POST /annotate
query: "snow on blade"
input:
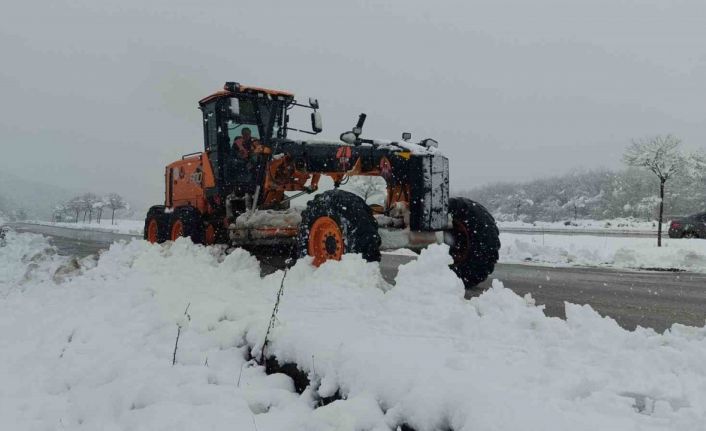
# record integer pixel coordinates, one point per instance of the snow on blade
(94, 350)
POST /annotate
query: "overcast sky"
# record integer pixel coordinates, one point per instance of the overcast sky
(101, 95)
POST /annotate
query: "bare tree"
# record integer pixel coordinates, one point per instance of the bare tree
(115, 202)
(663, 157)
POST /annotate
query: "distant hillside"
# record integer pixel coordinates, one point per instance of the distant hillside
(35, 199)
(595, 195)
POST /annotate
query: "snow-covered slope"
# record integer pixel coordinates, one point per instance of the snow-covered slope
(91, 348)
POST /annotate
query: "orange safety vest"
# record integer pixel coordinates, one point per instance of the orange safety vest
(245, 148)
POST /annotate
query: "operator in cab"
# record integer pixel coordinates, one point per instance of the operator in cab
(246, 151)
(245, 146)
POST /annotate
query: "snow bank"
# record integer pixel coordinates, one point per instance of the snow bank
(626, 225)
(618, 252)
(131, 227)
(94, 350)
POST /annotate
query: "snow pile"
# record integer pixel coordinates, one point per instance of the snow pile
(618, 252)
(95, 350)
(26, 259)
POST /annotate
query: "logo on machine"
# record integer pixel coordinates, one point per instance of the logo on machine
(197, 176)
(344, 157)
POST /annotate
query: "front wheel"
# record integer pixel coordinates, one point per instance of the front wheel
(156, 225)
(186, 222)
(474, 241)
(338, 222)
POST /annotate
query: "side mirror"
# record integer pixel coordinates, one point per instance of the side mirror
(316, 123)
(406, 136)
(429, 143)
(234, 106)
(349, 137)
(314, 103)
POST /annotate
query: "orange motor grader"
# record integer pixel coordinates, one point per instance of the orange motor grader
(238, 190)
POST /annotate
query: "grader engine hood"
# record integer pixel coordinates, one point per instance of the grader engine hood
(422, 173)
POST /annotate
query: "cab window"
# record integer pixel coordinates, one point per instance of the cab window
(245, 116)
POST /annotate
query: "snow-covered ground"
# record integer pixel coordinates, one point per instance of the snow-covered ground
(556, 249)
(612, 225)
(132, 227)
(135, 227)
(88, 345)
(612, 251)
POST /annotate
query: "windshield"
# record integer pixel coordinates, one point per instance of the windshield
(263, 116)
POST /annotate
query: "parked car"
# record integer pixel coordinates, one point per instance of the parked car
(693, 226)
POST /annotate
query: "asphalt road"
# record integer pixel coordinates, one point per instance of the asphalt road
(632, 298)
(651, 299)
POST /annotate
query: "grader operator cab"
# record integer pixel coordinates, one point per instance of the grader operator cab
(238, 190)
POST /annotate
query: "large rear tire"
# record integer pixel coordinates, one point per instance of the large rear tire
(186, 222)
(337, 222)
(156, 225)
(474, 241)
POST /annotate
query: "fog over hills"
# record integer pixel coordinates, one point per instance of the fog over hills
(35, 198)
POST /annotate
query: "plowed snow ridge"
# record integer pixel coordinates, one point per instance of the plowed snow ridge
(91, 348)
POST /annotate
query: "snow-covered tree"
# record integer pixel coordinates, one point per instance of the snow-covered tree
(89, 199)
(60, 212)
(519, 200)
(75, 205)
(98, 210)
(596, 194)
(115, 202)
(368, 188)
(18, 214)
(662, 156)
